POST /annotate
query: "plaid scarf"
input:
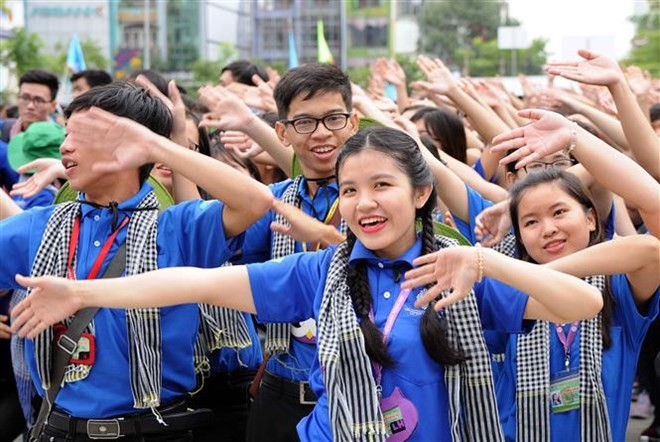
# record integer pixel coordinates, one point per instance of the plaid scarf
(278, 336)
(353, 402)
(533, 387)
(143, 325)
(218, 327)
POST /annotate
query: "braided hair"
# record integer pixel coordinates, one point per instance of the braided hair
(433, 329)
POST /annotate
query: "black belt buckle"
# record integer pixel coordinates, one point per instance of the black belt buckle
(104, 429)
(305, 394)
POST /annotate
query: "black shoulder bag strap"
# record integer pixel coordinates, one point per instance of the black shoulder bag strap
(66, 346)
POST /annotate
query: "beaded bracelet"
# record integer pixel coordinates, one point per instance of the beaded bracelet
(573, 138)
(480, 263)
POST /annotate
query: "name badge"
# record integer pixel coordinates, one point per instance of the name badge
(85, 353)
(565, 391)
(400, 416)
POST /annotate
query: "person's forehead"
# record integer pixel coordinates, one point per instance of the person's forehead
(321, 103)
(35, 89)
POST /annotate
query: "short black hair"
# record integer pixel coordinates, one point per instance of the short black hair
(93, 77)
(40, 76)
(126, 99)
(309, 80)
(243, 70)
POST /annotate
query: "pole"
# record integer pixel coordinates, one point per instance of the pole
(147, 35)
(343, 35)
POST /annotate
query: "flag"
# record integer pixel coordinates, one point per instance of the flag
(75, 60)
(324, 54)
(293, 53)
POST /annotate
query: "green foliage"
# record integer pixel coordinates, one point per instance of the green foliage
(21, 52)
(24, 51)
(445, 26)
(484, 59)
(646, 43)
(360, 75)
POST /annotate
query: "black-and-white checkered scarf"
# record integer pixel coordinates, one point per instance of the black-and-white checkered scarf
(533, 382)
(353, 401)
(143, 325)
(219, 327)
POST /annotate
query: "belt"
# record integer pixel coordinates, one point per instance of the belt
(177, 418)
(300, 391)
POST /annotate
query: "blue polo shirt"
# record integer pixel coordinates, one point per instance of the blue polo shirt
(295, 364)
(189, 234)
(628, 329)
(291, 289)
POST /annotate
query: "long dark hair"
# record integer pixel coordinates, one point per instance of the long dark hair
(405, 152)
(445, 128)
(572, 186)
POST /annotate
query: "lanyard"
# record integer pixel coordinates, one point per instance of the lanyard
(567, 341)
(73, 244)
(389, 324)
(328, 220)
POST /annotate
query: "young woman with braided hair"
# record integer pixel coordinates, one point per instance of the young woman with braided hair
(389, 366)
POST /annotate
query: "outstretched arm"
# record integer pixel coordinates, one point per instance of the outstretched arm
(122, 144)
(550, 133)
(598, 69)
(54, 299)
(554, 296)
(638, 256)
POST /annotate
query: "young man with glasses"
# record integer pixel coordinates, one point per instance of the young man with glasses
(36, 98)
(314, 105)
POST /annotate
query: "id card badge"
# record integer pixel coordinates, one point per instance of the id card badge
(400, 416)
(85, 353)
(565, 391)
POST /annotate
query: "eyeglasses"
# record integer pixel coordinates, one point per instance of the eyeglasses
(307, 125)
(38, 101)
(537, 166)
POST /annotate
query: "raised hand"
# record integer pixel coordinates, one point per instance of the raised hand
(595, 69)
(265, 91)
(174, 103)
(548, 133)
(52, 300)
(439, 80)
(455, 269)
(228, 111)
(493, 224)
(117, 143)
(302, 227)
(44, 172)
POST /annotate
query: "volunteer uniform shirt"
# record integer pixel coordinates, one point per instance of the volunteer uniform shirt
(189, 234)
(628, 328)
(291, 289)
(295, 364)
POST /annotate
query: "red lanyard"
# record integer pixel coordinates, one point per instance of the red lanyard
(73, 244)
(389, 324)
(567, 341)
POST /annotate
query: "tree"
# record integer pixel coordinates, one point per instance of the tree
(646, 43)
(485, 59)
(448, 25)
(21, 52)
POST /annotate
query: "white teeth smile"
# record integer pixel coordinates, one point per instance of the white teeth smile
(323, 149)
(371, 221)
(69, 164)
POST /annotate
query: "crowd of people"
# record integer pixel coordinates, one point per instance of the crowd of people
(292, 257)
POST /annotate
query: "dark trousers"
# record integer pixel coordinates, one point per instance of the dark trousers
(648, 378)
(54, 435)
(227, 396)
(12, 423)
(274, 416)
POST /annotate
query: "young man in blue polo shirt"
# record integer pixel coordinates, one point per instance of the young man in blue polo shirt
(132, 369)
(315, 109)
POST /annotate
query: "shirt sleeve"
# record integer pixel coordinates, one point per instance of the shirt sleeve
(18, 244)
(197, 229)
(257, 244)
(626, 311)
(476, 205)
(284, 289)
(502, 307)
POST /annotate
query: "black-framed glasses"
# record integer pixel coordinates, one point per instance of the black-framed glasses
(38, 101)
(537, 166)
(307, 125)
